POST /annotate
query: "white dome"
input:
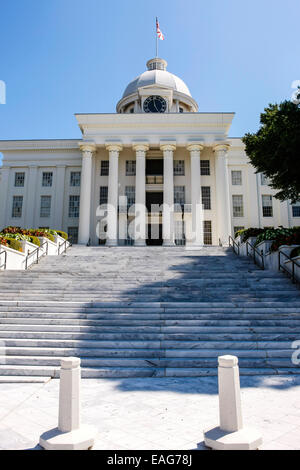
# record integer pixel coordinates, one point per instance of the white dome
(157, 77)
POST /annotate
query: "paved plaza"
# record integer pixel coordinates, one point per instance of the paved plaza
(152, 413)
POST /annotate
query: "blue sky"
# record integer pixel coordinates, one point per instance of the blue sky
(60, 57)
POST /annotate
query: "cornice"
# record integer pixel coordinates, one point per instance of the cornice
(55, 144)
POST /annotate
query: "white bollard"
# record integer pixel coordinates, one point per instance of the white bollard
(231, 435)
(70, 434)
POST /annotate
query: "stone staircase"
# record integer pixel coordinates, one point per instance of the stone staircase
(146, 312)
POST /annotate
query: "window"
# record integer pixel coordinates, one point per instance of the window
(236, 178)
(17, 206)
(75, 177)
(19, 180)
(73, 233)
(267, 206)
(238, 208)
(45, 206)
(104, 168)
(296, 211)
(103, 195)
(205, 190)
(179, 232)
(205, 167)
(130, 194)
(179, 167)
(74, 207)
(47, 179)
(264, 180)
(130, 167)
(207, 232)
(181, 110)
(179, 195)
(237, 229)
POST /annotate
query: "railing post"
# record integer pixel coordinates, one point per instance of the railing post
(70, 433)
(293, 270)
(231, 433)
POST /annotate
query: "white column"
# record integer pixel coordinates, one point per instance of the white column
(85, 193)
(168, 206)
(222, 193)
(32, 201)
(196, 198)
(59, 197)
(4, 196)
(140, 194)
(113, 193)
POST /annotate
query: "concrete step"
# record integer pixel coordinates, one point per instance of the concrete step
(141, 329)
(148, 344)
(123, 372)
(141, 353)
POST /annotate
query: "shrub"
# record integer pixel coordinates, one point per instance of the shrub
(40, 233)
(3, 241)
(35, 241)
(295, 252)
(14, 244)
(248, 232)
(14, 230)
(281, 236)
(62, 234)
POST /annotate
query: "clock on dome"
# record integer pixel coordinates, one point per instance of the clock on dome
(155, 104)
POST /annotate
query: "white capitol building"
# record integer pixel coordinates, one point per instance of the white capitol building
(157, 149)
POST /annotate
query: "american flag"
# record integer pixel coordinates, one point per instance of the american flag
(158, 31)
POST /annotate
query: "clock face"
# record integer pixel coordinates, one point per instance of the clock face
(155, 104)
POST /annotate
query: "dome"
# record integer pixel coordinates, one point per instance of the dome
(157, 75)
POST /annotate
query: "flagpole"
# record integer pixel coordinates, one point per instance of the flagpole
(156, 38)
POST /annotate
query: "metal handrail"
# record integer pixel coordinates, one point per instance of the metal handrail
(280, 266)
(36, 251)
(64, 243)
(233, 243)
(5, 259)
(255, 251)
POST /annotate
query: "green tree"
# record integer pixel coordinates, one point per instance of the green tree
(275, 148)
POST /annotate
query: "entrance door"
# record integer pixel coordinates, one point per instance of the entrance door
(154, 198)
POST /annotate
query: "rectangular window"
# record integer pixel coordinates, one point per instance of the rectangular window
(103, 195)
(264, 180)
(74, 207)
(179, 195)
(130, 194)
(73, 233)
(296, 211)
(130, 167)
(206, 202)
(267, 206)
(207, 232)
(179, 167)
(17, 206)
(237, 205)
(236, 177)
(75, 177)
(104, 168)
(47, 179)
(45, 206)
(179, 232)
(19, 180)
(205, 167)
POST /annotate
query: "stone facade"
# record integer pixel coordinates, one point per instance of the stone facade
(156, 148)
